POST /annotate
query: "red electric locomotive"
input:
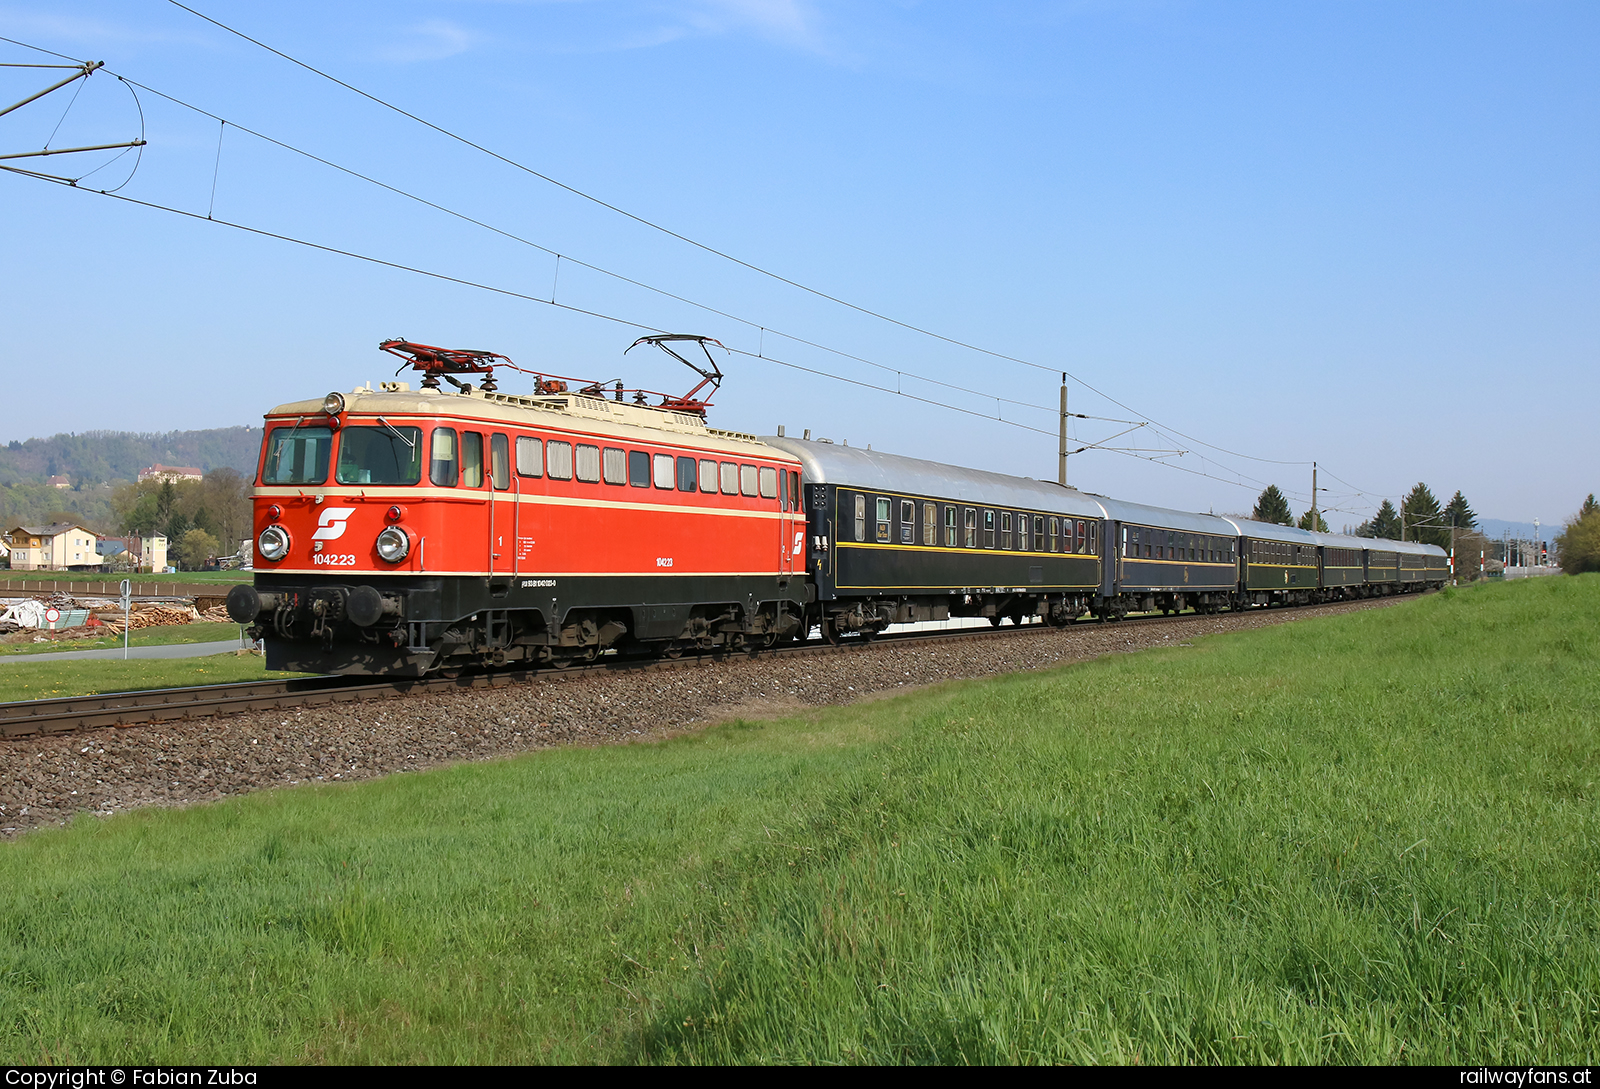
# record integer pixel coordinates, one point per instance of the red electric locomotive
(404, 531)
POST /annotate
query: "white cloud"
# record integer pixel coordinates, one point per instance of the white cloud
(430, 40)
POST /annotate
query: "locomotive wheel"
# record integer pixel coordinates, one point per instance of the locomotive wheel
(673, 649)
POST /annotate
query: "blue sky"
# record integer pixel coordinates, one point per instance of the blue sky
(1359, 233)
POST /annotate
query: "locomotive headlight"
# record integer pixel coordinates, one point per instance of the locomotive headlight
(273, 544)
(333, 404)
(394, 544)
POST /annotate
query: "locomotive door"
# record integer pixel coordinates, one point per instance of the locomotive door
(791, 528)
(502, 508)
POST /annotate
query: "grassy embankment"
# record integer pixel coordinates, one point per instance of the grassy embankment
(24, 680)
(1368, 838)
(227, 578)
(201, 631)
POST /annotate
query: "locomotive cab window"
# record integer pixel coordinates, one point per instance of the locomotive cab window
(443, 460)
(530, 456)
(380, 455)
(558, 460)
(499, 461)
(297, 455)
(588, 463)
(471, 459)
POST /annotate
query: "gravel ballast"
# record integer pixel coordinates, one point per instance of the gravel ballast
(48, 780)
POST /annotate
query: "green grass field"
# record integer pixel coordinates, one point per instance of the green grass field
(24, 680)
(1368, 838)
(167, 635)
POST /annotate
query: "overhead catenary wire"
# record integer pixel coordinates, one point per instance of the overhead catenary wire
(651, 224)
(1156, 427)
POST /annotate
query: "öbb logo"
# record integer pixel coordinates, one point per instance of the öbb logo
(331, 526)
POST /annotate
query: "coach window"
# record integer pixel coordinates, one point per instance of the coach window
(588, 463)
(1055, 533)
(1080, 543)
(930, 524)
(443, 463)
(950, 527)
(1005, 529)
(708, 475)
(558, 460)
(530, 456)
(908, 522)
(1038, 532)
(747, 480)
(972, 528)
(614, 465)
(861, 517)
(471, 459)
(882, 509)
(663, 472)
(686, 475)
(1094, 538)
(988, 529)
(769, 482)
(500, 462)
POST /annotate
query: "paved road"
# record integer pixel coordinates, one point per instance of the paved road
(175, 650)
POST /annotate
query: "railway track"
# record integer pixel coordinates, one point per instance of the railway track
(33, 718)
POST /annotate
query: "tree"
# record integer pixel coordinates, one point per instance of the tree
(1578, 547)
(1458, 515)
(1424, 521)
(1385, 524)
(1312, 520)
(1271, 506)
(196, 547)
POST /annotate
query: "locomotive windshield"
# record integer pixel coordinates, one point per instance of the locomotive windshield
(297, 455)
(380, 455)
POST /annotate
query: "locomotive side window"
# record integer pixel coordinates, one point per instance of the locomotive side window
(988, 529)
(794, 489)
(747, 480)
(443, 464)
(499, 461)
(908, 522)
(639, 468)
(708, 475)
(588, 463)
(930, 524)
(530, 456)
(861, 517)
(664, 472)
(950, 527)
(769, 483)
(380, 455)
(1005, 529)
(614, 465)
(883, 520)
(558, 460)
(730, 478)
(686, 475)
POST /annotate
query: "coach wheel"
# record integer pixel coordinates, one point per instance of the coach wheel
(673, 649)
(995, 620)
(830, 631)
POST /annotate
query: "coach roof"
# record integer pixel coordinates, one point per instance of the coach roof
(872, 470)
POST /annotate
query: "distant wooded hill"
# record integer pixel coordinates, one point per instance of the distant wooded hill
(97, 457)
